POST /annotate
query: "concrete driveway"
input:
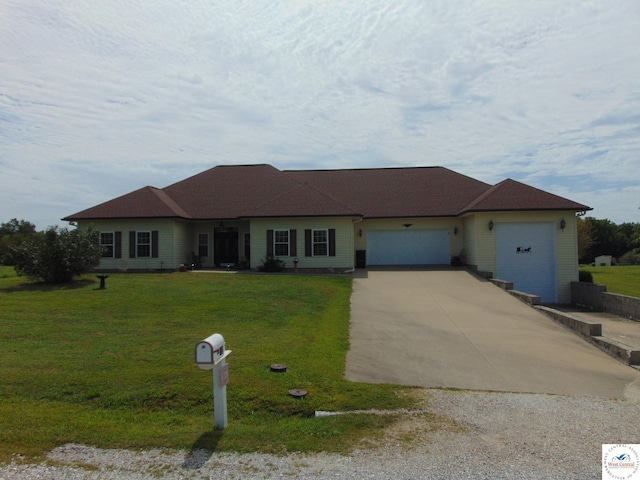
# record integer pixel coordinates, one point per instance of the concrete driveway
(449, 328)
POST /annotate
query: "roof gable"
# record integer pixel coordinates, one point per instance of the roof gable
(513, 195)
(229, 191)
(147, 202)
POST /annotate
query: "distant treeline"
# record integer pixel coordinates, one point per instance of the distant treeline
(603, 237)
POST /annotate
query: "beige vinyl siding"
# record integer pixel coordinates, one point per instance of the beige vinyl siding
(182, 233)
(483, 243)
(449, 224)
(470, 255)
(169, 233)
(567, 257)
(344, 258)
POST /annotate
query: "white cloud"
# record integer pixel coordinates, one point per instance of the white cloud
(100, 99)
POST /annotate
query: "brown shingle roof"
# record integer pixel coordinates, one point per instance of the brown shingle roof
(511, 195)
(302, 201)
(147, 202)
(227, 192)
(244, 191)
(397, 192)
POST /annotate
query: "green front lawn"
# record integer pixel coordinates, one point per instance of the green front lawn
(622, 279)
(115, 367)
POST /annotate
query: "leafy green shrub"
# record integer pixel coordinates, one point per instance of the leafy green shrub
(585, 276)
(58, 254)
(272, 264)
(631, 258)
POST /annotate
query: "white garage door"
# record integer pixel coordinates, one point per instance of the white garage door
(526, 256)
(408, 247)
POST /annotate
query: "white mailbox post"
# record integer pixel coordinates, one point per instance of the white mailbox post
(211, 355)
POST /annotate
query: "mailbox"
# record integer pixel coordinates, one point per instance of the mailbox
(210, 351)
(210, 355)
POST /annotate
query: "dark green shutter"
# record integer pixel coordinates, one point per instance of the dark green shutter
(269, 243)
(118, 245)
(307, 243)
(332, 242)
(154, 244)
(132, 244)
(293, 245)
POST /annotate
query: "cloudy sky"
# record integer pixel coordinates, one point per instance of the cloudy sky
(100, 98)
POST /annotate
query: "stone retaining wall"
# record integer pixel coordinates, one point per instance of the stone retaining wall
(596, 297)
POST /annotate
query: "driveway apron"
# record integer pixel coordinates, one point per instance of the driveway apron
(451, 329)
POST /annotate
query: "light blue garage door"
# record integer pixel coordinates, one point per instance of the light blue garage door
(408, 247)
(526, 256)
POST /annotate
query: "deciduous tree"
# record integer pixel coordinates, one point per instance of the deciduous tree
(13, 233)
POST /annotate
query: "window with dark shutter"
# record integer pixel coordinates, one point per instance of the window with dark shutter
(143, 244)
(107, 244)
(281, 243)
(320, 243)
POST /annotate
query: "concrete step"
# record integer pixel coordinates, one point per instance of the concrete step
(592, 332)
(527, 298)
(618, 350)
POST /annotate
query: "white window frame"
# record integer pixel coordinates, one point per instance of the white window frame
(281, 243)
(314, 243)
(142, 244)
(111, 245)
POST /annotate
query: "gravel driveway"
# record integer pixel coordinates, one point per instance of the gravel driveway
(492, 436)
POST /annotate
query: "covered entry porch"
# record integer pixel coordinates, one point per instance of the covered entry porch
(220, 244)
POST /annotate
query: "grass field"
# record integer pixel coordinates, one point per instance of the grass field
(115, 367)
(622, 279)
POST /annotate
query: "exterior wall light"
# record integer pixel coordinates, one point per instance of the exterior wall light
(360, 232)
(490, 225)
(455, 230)
(563, 224)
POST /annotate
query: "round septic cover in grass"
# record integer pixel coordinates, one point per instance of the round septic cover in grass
(298, 392)
(278, 367)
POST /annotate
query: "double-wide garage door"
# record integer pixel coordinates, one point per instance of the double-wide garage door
(408, 247)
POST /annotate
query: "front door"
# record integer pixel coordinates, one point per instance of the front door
(225, 247)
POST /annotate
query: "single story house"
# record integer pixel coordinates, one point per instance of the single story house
(344, 219)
